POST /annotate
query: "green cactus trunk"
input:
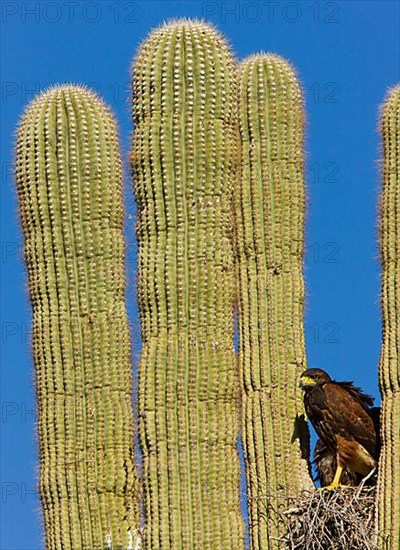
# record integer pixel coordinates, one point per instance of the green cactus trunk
(270, 209)
(69, 182)
(184, 167)
(388, 498)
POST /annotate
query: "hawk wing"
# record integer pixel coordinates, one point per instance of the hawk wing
(347, 417)
(365, 400)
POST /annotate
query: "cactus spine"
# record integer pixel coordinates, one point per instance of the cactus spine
(184, 165)
(388, 498)
(69, 182)
(270, 209)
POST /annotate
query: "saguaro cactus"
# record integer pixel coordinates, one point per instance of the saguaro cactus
(270, 206)
(184, 161)
(388, 498)
(70, 194)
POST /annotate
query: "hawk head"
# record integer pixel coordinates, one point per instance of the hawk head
(311, 378)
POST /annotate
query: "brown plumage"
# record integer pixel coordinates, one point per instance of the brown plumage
(341, 415)
(326, 464)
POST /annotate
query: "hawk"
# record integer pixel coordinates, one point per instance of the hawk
(341, 415)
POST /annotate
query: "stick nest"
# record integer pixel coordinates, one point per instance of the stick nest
(342, 519)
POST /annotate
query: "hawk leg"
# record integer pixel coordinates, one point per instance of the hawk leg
(336, 480)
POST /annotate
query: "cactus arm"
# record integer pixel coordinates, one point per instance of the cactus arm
(270, 210)
(69, 182)
(388, 497)
(183, 162)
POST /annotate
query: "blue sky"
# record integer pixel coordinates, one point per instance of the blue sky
(347, 56)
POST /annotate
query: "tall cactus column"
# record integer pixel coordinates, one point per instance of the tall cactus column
(388, 499)
(270, 207)
(69, 184)
(184, 166)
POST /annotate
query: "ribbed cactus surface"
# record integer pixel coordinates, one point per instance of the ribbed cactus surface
(184, 161)
(270, 210)
(388, 502)
(69, 181)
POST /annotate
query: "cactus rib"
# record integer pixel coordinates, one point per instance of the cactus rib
(69, 182)
(270, 210)
(183, 161)
(388, 497)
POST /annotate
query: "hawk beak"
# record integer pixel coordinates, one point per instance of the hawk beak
(306, 382)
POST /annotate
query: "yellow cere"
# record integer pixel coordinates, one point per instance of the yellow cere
(307, 381)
